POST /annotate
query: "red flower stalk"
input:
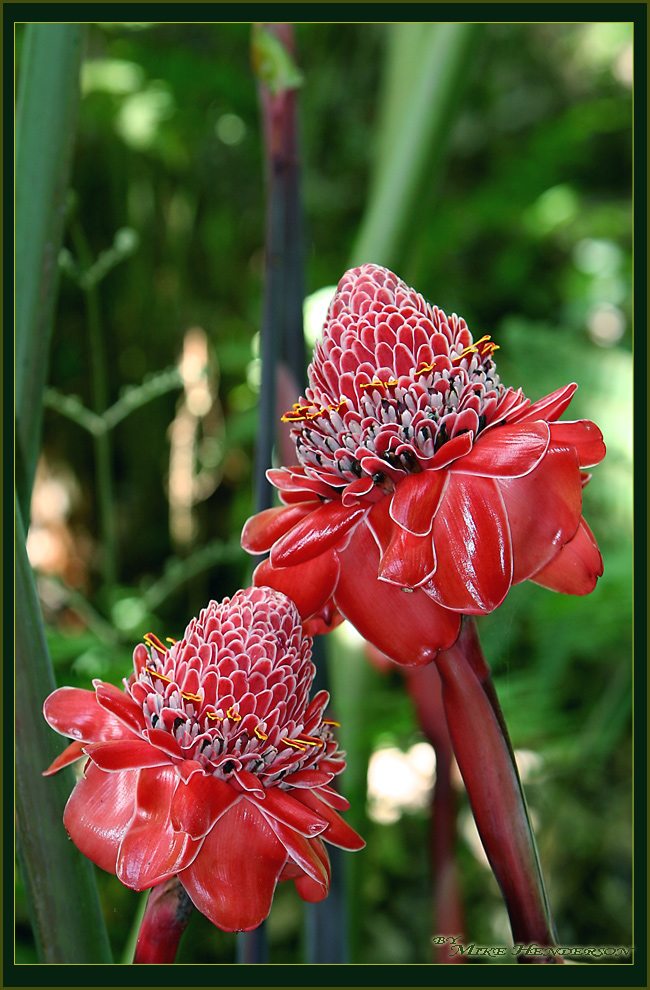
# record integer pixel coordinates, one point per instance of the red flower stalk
(212, 764)
(421, 473)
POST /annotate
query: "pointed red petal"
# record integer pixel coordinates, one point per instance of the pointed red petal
(301, 852)
(98, 812)
(309, 585)
(549, 408)
(75, 712)
(262, 530)
(310, 890)
(125, 754)
(506, 451)
(233, 878)
(408, 627)
(406, 560)
(576, 568)
(543, 511)
(119, 704)
(320, 531)
(333, 797)
(457, 447)
(416, 500)
(338, 833)
(201, 802)
(308, 778)
(70, 754)
(584, 436)
(151, 851)
(280, 805)
(471, 538)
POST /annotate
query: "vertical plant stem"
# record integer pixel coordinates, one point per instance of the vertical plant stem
(426, 68)
(100, 401)
(59, 882)
(46, 112)
(166, 917)
(425, 687)
(486, 761)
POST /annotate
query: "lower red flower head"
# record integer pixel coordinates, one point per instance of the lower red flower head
(212, 764)
(426, 488)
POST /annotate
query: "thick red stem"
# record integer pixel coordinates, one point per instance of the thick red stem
(486, 762)
(165, 919)
(425, 688)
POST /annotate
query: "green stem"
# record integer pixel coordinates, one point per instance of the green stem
(59, 882)
(99, 388)
(46, 111)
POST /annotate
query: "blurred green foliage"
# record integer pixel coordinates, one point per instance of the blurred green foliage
(523, 226)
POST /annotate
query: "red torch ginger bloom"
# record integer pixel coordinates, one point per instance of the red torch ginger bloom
(212, 764)
(426, 488)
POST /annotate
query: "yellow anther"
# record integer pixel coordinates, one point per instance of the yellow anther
(329, 721)
(378, 384)
(216, 718)
(259, 733)
(235, 716)
(191, 697)
(309, 741)
(170, 640)
(296, 745)
(152, 641)
(161, 677)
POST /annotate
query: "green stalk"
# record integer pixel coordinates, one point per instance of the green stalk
(48, 98)
(427, 64)
(59, 882)
(99, 389)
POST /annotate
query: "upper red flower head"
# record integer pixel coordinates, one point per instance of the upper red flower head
(420, 472)
(212, 764)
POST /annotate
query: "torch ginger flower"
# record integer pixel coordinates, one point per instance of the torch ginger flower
(420, 472)
(211, 764)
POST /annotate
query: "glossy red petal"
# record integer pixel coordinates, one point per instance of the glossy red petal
(549, 408)
(199, 803)
(233, 878)
(416, 501)
(333, 798)
(262, 530)
(320, 531)
(338, 833)
(291, 481)
(151, 851)
(584, 436)
(506, 451)
(471, 538)
(280, 805)
(98, 812)
(543, 511)
(75, 712)
(300, 851)
(125, 754)
(70, 754)
(119, 704)
(449, 452)
(309, 585)
(576, 568)
(406, 560)
(308, 778)
(409, 627)
(310, 890)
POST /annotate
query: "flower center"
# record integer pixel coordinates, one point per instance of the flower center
(216, 721)
(390, 423)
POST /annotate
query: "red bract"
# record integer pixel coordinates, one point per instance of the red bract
(421, 474)
(211, 764)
